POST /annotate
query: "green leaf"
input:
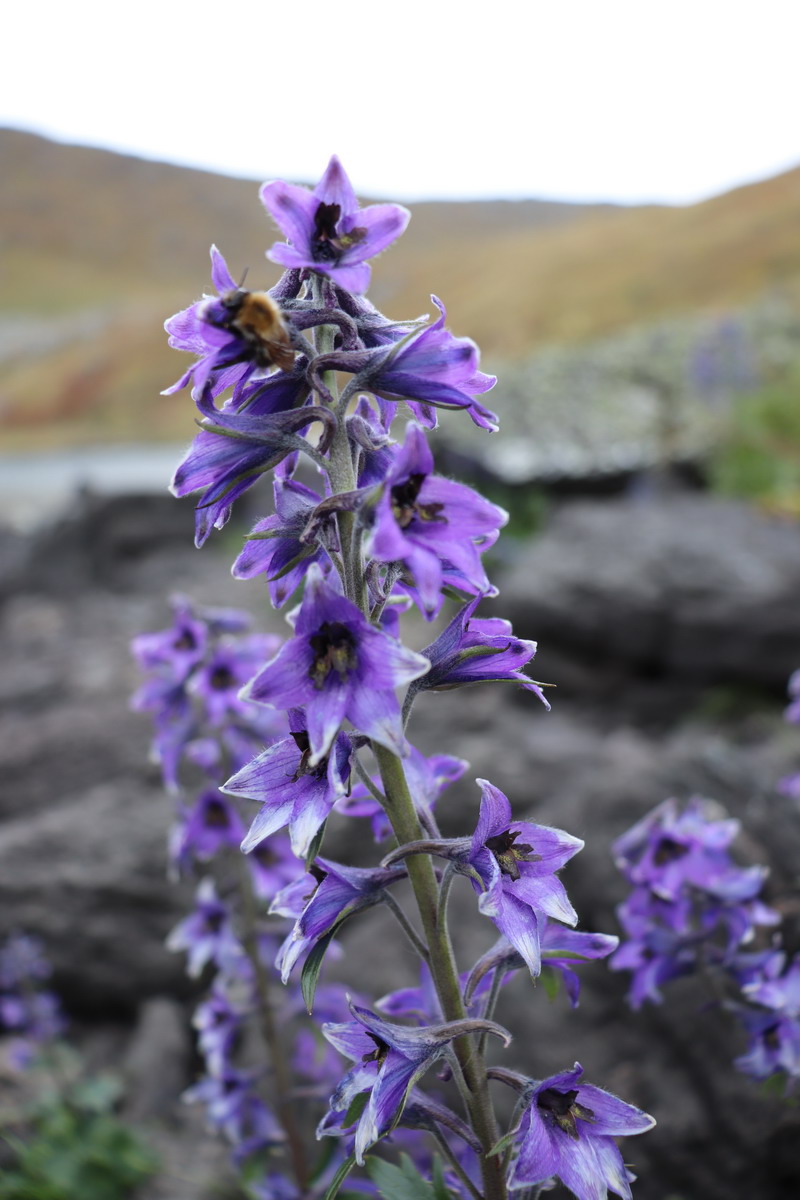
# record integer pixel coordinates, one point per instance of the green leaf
(551, 982)
(316, 844)
(437, 1173)
(774, 1087)
(312, 967)
(357, 1106)
(339, 1177)
(567, 954)
(403, 1181)
(500, 1146)
(98, 1094)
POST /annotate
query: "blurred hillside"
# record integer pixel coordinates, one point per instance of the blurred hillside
(98, 248)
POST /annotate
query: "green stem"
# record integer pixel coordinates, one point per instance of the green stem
(402, 815)
(406, 926)
(455, 1164)
(341, 473)
(274, 1039)
(363, 774)
(444, 892)
(491, 1004)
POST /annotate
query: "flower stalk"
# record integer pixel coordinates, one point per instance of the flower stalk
(282, 723)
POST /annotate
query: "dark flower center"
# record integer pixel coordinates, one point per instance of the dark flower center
(562, 1109)
(380, 1051)
(304, 746)
(669, 851)
(185, 642)
(317, 874)
(265, 856)
(221, 679)
(326, 244)
(216, 815)
(508, 855)
(772, 1037)
(334, 650)
(405, 507)
(214, 921)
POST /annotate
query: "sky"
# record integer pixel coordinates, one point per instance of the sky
(623, 100)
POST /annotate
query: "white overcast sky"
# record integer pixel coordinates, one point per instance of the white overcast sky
(626, 100)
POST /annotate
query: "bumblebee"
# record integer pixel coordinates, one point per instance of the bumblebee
(255, 317)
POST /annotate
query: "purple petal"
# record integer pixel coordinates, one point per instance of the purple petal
(325, 712)
(335, 188)
(285, 681)
(385, 1101)
(269, 820)
(309, 813)
(495, 815)
(220, 275)
(613, 1116)
(554, 846)
(384, 223)
(293, 209)
(545, 893)
(578, 1167)
(376, 713)
(520, 925)
(537, 1159)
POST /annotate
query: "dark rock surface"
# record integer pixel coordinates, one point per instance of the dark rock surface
(638, 611)
(692, 589)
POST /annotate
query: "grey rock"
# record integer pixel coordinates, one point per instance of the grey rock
(156, 1065)
(82, 847)
(88, 876)
(693, 589)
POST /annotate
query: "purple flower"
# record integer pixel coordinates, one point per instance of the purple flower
(338, 666)
(272, 865)
(774, 1045)
(292, 790)
(390, 1059)
(793, 710)
(429, 369)
(326, 230)
(22, 961)
(35, 1017)
(515, 880)
(242, 441)
(375, 450)
(322, 899)
(422, 1003)
(233, 1108)
(423, 520)
(655, 951)
(218, 1021)
(668, 850)
(236, 334)
(478, 650)
(173, 653)
(774, 1034)
(562, 950)
(275, 547)
(567, 1131)
(209, 827)
(223, 674)
(207, 934)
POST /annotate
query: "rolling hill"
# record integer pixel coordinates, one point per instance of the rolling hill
(97, 248)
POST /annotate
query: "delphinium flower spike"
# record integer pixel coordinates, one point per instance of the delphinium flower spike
(366, 528)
